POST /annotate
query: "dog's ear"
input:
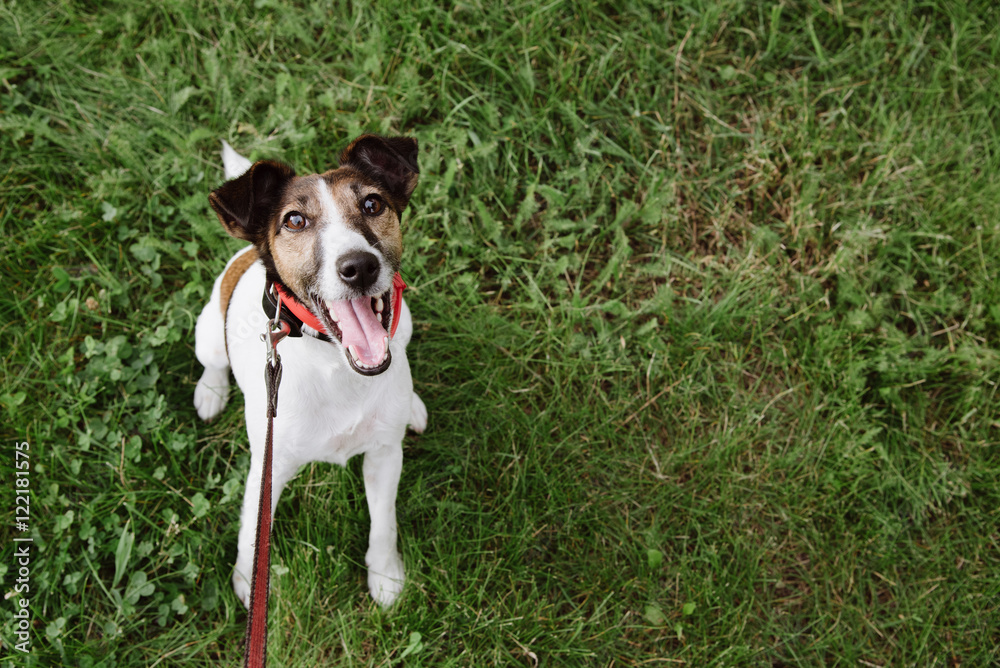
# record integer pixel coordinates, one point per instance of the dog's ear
(246, 203)
(390, 161)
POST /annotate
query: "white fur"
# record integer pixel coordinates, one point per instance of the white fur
(233, 163)
(326, 412)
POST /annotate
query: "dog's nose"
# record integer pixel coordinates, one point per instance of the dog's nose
(359, 269)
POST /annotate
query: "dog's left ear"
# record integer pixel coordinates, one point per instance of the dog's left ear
(391, 161)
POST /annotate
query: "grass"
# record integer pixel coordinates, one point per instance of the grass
(706, 313)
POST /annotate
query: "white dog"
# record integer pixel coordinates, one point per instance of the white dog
(331, 245)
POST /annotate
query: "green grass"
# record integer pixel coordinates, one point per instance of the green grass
(707, 322)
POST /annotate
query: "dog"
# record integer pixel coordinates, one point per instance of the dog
(331, 246)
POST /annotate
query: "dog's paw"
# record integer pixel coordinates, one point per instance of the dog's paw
(211, 393)
(418, 414)
(241, 585)
(386, 582)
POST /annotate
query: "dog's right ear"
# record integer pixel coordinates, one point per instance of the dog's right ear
(246, 203)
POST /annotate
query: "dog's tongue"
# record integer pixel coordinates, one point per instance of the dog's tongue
(360, 329)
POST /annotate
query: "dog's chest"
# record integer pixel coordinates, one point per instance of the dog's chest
(328, 413)
(331, 434)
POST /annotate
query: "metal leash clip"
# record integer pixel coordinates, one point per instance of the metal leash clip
(277, 329)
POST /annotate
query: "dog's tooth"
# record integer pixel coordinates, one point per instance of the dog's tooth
(378, 316)
(379, 305)
(354, 353)
(331, 311)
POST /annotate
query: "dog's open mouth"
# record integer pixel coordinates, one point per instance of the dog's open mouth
(361, 325)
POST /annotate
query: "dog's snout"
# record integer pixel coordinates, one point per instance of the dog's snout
(359, 269)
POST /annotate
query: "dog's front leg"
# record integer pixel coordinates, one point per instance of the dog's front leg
(382, 468)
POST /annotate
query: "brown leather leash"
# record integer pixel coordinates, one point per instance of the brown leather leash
(255, 641)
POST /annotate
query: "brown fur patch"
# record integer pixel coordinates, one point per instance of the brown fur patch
(232, 277)
(349, 189)
(295, 253)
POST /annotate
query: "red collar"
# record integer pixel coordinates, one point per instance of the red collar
(300, 311)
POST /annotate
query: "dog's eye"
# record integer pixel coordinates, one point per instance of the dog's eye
(295, 221)
(373, 205)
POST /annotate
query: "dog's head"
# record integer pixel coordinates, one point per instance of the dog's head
(332, 239)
